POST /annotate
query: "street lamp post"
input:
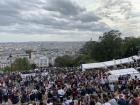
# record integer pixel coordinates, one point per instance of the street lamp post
(10, 57)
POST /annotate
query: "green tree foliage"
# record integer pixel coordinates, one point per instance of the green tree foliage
(7, 69)
(86, 50)
(21, 64)
(83, 58)
(109, 46)
(64, 61)
(70, 61)
(112, 46)
(131, 46)
(33, 66)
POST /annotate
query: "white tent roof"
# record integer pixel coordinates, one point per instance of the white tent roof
(118, 62)
(126, 60)
(109, 63)
(92, 66)
(123, 71)
(136, 57)
(116, 73)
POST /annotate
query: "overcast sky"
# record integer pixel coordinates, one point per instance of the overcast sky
(66, 20)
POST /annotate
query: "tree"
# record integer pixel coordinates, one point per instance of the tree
(87, 53)
(109, 46)
(7, 69)
(64, 61)
(83, 59)
(33, 66)
(72, 61)
(88, 48)
(131, 46)
(21, 64)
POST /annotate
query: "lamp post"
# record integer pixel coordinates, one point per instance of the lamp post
(10, 58)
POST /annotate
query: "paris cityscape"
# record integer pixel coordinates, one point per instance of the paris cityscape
(43, 53)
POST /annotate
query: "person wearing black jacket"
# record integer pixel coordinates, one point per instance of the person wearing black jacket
(24, 97)
(0, 96)
(15, 98)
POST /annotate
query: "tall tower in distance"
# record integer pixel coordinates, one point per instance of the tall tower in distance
(90, 40)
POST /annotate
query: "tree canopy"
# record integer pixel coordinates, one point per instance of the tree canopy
(18, 65)
(21, 64)
(64, 61)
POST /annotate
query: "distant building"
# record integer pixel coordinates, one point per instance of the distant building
(4, 62)
(43, 62)
(44, 53)
(40, 60)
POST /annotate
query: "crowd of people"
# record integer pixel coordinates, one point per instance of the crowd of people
(68, 86)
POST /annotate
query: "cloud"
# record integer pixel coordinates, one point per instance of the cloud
(68, 18)
(46, 17)
(64, 7)
(115, 9)
(121, 15)
(87, 17)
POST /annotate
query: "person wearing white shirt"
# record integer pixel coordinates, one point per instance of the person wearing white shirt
(111, 87)
(61, 92)
(102, 81)
(49, 102)
(68, 101)
(98, 103)
(106, 103)
(113, 101)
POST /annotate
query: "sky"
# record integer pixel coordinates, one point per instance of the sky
(67, 20)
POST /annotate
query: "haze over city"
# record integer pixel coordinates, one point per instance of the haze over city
(66, 20)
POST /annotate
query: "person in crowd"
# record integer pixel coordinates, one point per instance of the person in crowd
(121, 100)
(136, 100)
(49, 102)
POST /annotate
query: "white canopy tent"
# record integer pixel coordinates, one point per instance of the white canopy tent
(123, 71)
(92, 66)
(136, 57)
(116, 73)
(118, 62)
(109, 63)
(125, 60)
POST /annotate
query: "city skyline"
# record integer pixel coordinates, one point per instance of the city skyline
(67, 20)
